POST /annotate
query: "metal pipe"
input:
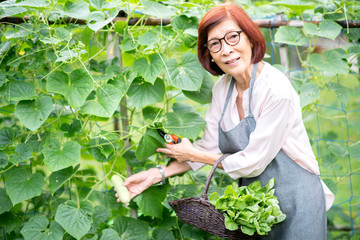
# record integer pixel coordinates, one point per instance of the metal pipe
(263, 23)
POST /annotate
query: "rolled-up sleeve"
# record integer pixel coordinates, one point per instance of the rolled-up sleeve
(272, 128)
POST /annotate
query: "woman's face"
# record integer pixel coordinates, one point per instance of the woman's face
(234, 60)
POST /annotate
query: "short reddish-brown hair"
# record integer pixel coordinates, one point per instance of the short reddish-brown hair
(218, 14)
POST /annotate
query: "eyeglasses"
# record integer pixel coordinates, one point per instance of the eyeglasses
(231, 38)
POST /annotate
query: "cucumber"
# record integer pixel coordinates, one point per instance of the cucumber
(122, 191)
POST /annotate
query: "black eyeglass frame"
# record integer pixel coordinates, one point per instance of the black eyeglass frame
(223, 38)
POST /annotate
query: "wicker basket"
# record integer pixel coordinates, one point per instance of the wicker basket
(200, 213)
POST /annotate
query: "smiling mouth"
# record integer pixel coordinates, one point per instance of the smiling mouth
(232, 61)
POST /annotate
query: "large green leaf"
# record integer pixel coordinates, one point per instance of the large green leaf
(187, 125)
(151, 113)
(342, 93)
(331, 63)
(156, 9)
(354, 49)
(184, 22)
(131, 229)
(123, 82)
(353, 34)
(35, 112)
(7, 135)
(162, 233)
(76, 220)
(148, 38)
(190, 232)
(149, 69)
(6, 204)
(20, 31)
(58, 178)
(325, 7)
(296, 5)
(10, 222)
(102, 149)
(143, 93)
(33, 3)
(75, 88)
(354, 151)
(18, 90)
(7, 11)
(3, 160)
(100, 215)
(327, 28)
(75, 9)
(107, 100)
(187, 75)
(204, 94)
(110, 234)
(22, 153)
(66, 54)
(336, 149)
(150, 201)
(120, 26)
(98, 20)
(148, 144)
(128, 44)
(331, 185)
(3, 78)
(37, 229)
(57, 157)
(62, 33)
(290, 35)
(22, 185)
(98, 4)
(308, 93)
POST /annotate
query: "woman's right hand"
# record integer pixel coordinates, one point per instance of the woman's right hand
(141, 181)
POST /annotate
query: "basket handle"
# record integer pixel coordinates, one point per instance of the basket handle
(207, 184)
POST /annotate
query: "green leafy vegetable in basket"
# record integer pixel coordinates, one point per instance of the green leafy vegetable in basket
(253, 208)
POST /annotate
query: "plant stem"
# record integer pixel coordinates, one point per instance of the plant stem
(101, 180)
(102, 50)
(299, 55)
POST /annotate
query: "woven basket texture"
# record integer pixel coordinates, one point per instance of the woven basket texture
(200, 213)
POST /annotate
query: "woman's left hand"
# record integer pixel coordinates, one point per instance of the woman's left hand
(182, 151)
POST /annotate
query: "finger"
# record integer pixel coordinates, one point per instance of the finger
(116, 195)
(163, 150)
(115, 189)
(118, 200)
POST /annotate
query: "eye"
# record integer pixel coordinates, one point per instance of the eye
(232, 36)
(213, 43)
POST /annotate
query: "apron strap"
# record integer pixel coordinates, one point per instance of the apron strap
(231, 87)
(252, 80)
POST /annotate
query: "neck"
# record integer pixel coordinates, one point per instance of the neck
(243, 79)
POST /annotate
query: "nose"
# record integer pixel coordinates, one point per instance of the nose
(226, 48)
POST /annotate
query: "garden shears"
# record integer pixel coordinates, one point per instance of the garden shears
(169, 138)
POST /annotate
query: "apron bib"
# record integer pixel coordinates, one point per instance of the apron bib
(300, 193)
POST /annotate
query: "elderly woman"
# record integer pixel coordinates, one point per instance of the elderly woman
(255, 115)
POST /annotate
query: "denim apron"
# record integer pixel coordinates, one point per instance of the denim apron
(300, 193)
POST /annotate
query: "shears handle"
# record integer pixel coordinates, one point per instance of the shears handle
(169, 138)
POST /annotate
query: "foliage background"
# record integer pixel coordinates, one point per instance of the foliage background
(80, 100)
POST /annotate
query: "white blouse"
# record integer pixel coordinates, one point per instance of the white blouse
(276, 109)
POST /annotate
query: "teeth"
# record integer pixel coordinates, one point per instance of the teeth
(232, 61)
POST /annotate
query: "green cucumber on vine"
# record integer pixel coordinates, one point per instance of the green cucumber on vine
(122, 191)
